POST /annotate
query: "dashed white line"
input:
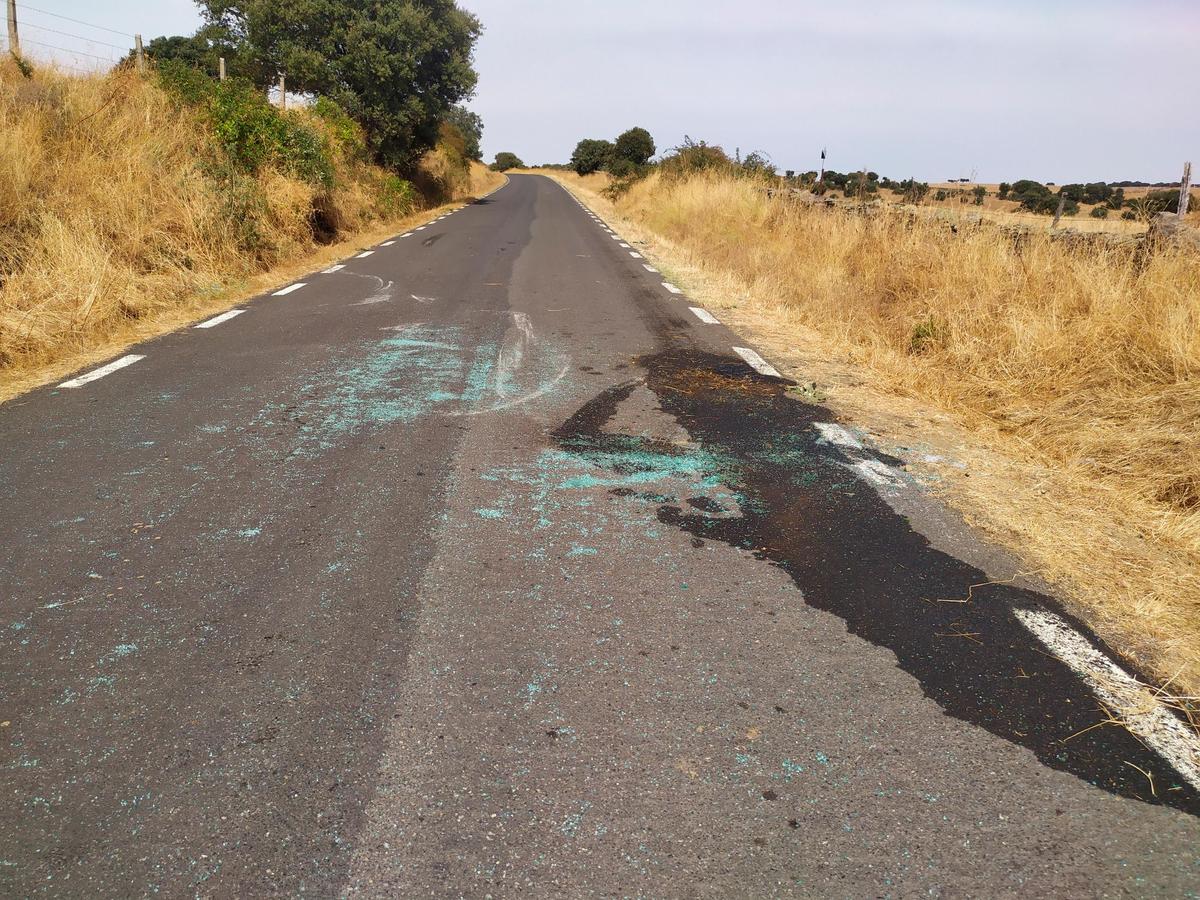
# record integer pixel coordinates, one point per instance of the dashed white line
(102, 371)
(637, 255)
(623, 244)
(422, 228)
(364, 254)
(705, 316)
(223, 317)
(647, 266)
(406, 234)
(387, 243)
(674, 290)
(295, 287)
(756, 362)
(1139, 709)
(333, 269)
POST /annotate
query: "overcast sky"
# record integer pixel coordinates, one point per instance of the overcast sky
(1059, 90)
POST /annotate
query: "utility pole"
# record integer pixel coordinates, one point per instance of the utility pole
(1185, 190)
(141, 54)
(14, 45)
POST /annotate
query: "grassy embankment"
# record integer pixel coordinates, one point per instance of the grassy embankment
(1082, 362)
(132, 205)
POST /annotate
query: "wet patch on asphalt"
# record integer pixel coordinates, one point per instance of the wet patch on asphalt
(795, 501)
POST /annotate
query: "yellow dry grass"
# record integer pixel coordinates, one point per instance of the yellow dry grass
(112, 227)
(1071, 371)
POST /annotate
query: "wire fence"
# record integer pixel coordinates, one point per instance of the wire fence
(87, 48)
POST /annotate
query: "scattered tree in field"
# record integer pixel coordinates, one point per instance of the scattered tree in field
(635, 145)
(505, 161)
(396, 66)
(470, 126)
(1117, 200)
(980, 193)
(1002, 190)
(758, 163)
(592, 155)
(1099, 212)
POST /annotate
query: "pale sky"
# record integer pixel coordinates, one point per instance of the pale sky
(1058, 90)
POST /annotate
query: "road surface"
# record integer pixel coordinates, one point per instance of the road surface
(486, 565)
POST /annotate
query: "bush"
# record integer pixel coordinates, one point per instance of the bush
(1002, 191)
(348, 133)
(980, 192)
(635, 145)
(695, 156)
(592, 155)
(505, 161)
(1099, 212)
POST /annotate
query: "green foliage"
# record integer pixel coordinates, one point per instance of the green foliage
(758, 165)
(592, 155)
(470, 126)
(928, 334)
(980, 192)
(1117, 200)
(1099, 212)
(397, 196)
(692, 157)
(940, 195)
(396, 66)
(345, 130)
(1161, 201)
(201, 50)
(505, 161)
(1002, 190)
(635, 146)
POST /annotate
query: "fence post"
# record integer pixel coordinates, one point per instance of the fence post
(1062, 202)
(1185, 190)
(14, 45)
(221, 68)
(141, 55)
(282, 92)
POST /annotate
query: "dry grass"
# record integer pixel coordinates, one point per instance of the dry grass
(114, 227)
(1079, 364)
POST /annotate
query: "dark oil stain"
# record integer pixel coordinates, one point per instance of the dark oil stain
(852, 555)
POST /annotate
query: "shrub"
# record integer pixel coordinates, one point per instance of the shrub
(980, 192)
(695, 156)
(592, 155)
(635, 145)
(1099, 212)
(1002, 191)
(505, 161)
(348, 133)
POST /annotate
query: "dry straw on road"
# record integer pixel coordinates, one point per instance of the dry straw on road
(1080, 358)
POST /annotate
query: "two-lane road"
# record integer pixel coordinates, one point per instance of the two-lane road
(488, 563)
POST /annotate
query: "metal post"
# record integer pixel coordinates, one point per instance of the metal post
(14, 45)
(141, 55)
(221, 68)
(1185, 190)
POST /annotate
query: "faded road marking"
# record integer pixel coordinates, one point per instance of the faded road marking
(836, 434)
(333, 269)
(1137, 706)
(387, 243)
(102, 371)
(647, 266)
(623, 244)
(223, 317)
(290, 288)
(674, 290)
(705, 316)
(637, 255)
(756, 362)
(364, 254)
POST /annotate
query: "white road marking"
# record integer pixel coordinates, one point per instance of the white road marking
(877, 472)
(102, 371)
(637, 255)
(647, 266)
(364, 254)
(836, 434)
(616, 237)
(623, 244)
(406, 234)
(290, 288)
(674, 290)
(387, 243)
(333, 269)
(757, 363)
(422, 228)
(223, 317)
(1136, 705)
(705, 316)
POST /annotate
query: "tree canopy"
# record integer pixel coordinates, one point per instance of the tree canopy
(470, 126)
(505, 161)
(635, 145)
(591, 155)
(397, 66)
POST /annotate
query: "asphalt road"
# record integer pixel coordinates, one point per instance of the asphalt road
(485, 566)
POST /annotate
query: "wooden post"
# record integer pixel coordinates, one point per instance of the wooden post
(141, 55)
(221, 68)
(14, 45)
(1185, 190)
(282, 92)
(1062, 202)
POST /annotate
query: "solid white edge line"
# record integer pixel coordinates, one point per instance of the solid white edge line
(674, 290)
(756, 362)
(217, 320)
(113, 366)
(333, 269)
(647, 266)
(705, 316)
(1141, 712)
(289, 288)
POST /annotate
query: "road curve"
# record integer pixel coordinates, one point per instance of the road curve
(488, 563)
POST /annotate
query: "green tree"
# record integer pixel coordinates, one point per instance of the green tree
(635, 145)
(980, 193)
(591, 155)
(1002, 190)
(470, 126)
(505, 161)
(396, 66)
